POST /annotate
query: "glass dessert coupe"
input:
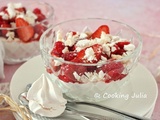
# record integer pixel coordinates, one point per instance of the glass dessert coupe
(21, 25)
(87, 73)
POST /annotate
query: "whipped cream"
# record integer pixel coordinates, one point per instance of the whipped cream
(45, 98)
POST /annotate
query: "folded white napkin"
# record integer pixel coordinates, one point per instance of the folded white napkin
(2, 53)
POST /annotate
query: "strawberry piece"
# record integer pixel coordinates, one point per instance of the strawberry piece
(119, 52)
(121, 44)
(81, 54)
(37, 11)
(25, 31)
(67, 70)
(97, 33)
(69, 56)
(4, 25)
(65, 79)
(116, 75)
(49, 70)
(98, 51)
(39, 14)
(22, 9)
(39, 28)
(3, 8)
(112, 66)
(57, 50)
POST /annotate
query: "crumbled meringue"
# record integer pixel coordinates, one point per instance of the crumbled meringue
(45, 98)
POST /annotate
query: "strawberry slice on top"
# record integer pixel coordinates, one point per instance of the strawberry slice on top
(97, 33)
(25, 31)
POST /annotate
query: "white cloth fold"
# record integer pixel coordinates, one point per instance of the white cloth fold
(2, 54)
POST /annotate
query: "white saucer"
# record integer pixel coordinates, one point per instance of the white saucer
(141, 81)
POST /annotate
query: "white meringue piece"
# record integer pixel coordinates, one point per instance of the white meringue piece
(45, 98)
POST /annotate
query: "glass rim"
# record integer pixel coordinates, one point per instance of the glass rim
(41, 22)
(137, 49)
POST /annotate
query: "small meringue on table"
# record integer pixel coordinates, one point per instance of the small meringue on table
(45, 98)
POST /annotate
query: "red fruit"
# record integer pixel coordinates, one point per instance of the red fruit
(3, 8)
(112, 66)
(49, 70)
(97, 33)
(25, 31)
(40, 17)
(69, 56)
(5, 25)
(98, 51)
(39, 28)
(121, 44)
(68, 70)
(22, 9)
(37, 11)
(65, 79)
(39, 14)
(57, 50)
(81, 54)
(116, 75)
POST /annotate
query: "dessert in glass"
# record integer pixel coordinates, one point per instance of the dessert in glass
(88, 57)
(21, 25)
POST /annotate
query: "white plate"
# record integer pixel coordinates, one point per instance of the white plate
(141, 82)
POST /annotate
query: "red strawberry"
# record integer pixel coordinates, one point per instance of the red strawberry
(25, 31)
(112, 66)
(81, 54)
(98, 51)
(4, 25)
(97, 33)
(22, 9)
(39, 14)
(65, 79)
(57, 50)
(116, 75)
(3, 8)
(121, 44)
(68, 70)
(69, 56)
(37, 11)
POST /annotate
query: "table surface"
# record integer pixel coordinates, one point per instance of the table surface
(142, 15)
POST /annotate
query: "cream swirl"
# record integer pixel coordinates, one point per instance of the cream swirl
(45, 98)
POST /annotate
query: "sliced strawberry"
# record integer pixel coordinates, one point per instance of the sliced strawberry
(112, 66)
(121, 44)
(3, 8)
(69, 56)
(4, 25)
(40, 17)
(98, 51)
(119, 49)
(25, 31)
(49, 70)
(39, 14)
(68, 70)
(97, 33)
(22, 9)
(81, 54)
(116, 75)
(39, 28)
(65, 79)
(37, 11)
(119, 52)
(57, 50)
